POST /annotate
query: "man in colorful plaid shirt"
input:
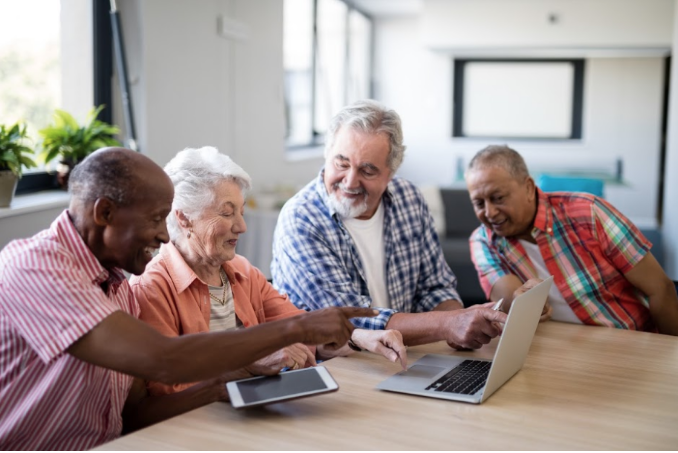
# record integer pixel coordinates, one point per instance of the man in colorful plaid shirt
(359, 236)
(604, 273)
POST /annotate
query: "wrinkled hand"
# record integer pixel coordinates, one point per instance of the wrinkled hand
(388, 343)
(330, 326)
(471, 328)
(219, 383)
(294, 357)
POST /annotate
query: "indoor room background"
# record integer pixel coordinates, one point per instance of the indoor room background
(212, 72)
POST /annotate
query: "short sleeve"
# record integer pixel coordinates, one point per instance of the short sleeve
(486, 260)
(621, 241)
(52, 305)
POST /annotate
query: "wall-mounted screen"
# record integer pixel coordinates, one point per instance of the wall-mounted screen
(532, 99)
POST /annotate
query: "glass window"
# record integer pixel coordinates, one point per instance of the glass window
(30, 63)
(327, 64)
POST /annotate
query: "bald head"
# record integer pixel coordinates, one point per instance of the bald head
(118, 174)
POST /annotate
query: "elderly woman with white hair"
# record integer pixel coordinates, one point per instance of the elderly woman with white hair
(197, 282)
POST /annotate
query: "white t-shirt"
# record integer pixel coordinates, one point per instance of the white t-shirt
(368, 236)
(561, 310)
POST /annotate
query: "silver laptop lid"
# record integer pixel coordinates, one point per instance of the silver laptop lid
(515, 341)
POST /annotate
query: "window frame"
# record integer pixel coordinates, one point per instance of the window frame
(317, 138)
(102, 72)
(459, 65)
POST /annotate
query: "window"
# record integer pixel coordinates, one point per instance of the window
(46, 62)
(30, 63)
(529, 99)
(327, 64)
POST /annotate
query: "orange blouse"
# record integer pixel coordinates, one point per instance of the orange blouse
(175, 302)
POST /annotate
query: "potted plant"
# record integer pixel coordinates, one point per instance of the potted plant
(13, 158)
(72, 142)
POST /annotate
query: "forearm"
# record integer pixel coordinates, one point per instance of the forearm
(202, 356)
(418, 328)
(449, 305)
(154, 409)
(664, 312)
(127, 345)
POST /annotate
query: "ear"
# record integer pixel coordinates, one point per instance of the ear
(104, 211)
(530, 186)
(184, 221)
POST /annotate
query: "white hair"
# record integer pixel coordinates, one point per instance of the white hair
(195, 173)
(372, 117)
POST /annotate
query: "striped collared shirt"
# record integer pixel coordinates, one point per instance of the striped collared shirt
(316, 262)
(50, 296)
(587, 246)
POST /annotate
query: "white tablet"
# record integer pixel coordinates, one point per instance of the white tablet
(285, 386)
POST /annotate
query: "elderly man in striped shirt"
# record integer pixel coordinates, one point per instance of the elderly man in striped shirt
(604, 273)
(69, 338)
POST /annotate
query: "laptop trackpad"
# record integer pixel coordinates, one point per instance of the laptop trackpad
(423, 371)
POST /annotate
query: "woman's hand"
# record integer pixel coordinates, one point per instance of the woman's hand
(293, 357)
(388, 343)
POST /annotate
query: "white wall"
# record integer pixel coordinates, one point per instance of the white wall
(622, 113)
(670, 224)
(192, 87)
(501, 24)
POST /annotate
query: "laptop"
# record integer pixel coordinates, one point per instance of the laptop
(473, 380)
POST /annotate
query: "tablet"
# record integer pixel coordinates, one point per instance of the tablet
(285, 386)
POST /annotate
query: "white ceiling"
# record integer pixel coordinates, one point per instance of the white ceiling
(389, 8)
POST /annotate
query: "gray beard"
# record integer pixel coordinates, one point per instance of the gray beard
(345, 208)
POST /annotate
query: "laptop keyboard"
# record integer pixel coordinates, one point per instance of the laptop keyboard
(466, 378)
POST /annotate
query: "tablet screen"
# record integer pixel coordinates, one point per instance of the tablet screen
(285, 384)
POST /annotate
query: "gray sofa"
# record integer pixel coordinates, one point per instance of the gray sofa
(460, 221)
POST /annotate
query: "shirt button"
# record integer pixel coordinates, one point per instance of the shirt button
(548, 230)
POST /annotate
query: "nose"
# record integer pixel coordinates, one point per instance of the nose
(351, 179)
(490, 210)
(163, 235)
(239, 226)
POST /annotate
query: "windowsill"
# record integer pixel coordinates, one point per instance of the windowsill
(34, 202)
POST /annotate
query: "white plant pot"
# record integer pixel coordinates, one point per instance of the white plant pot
(8, 182)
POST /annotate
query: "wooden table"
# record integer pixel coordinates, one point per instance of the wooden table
(581, 388)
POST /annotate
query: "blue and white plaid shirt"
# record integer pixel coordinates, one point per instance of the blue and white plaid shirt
(316, 262)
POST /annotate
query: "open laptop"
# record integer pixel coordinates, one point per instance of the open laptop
(473, 380)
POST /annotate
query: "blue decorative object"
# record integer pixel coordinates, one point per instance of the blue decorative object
(552, 183)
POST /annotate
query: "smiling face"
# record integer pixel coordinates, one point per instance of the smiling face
(501, 202)
(356, 172)
(215, 232)
(134, 232)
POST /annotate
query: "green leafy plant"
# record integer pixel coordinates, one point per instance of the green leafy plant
(13, 152)
(72, 142)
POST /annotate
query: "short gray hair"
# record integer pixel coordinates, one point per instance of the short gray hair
(500, 156)
(195, 173)
(372, 117)
(106, 173)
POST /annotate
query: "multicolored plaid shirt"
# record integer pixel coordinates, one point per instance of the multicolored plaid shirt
(316, 262)
(587, 246)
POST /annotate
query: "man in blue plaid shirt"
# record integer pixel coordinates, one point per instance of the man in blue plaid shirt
(360, 236)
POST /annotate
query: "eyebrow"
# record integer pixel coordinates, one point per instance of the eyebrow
(367, 165)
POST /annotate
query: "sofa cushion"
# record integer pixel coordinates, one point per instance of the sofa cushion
(460, 219)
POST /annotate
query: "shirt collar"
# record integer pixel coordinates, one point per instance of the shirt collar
(543, 220)
(181, 273)
(69, 237)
